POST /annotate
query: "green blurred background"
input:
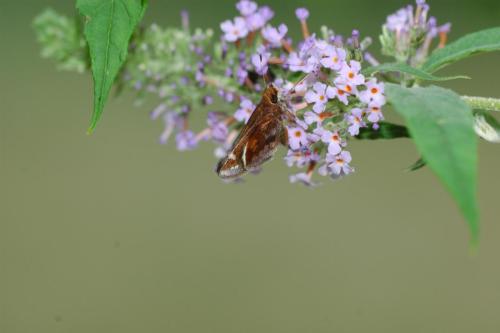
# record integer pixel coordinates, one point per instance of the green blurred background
(115, 233)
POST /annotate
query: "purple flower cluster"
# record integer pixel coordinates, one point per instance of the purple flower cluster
(253, 18)
(339, 101)
(412, 32)
(320, 79)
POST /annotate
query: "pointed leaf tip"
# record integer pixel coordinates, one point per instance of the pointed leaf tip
(108, 28)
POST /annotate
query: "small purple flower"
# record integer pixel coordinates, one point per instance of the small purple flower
(301, 158)
(304, 178)
(234, 30)
(219, 131)
(158, 111)
(401, 20)
(334, 58)
(445, 28)
(199, 77)
(355, 120)
(172, 120)
(337, 165)
(185, 19)
(349, 74)
(186, 140)
(266, 12)
(245, 111)
(318, 96)
(297, 138)
(375, 114)
(339, 93)
(259, 19)
(274, 35)
(355, 39)
(302, 14)
(260, 60)
(333, 140)
(241, 75)
(374, 93)
(304, 64)
(208, 100)
(312, 118)
(229, 97)
(246, 7)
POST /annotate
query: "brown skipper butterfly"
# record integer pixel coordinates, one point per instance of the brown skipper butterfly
(259, 138)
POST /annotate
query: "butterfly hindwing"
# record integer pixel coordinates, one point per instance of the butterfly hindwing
(258, 139)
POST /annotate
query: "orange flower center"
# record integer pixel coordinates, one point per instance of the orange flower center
(374, 91)
(351, 75)
(298, 134)
(321, 98)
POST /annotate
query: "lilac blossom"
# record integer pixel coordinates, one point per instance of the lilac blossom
(260, 60)
(333, 140)
(158, 111)
(186, 140)
(302, 14)
(339, 93)
(334, 58)
(375, 114)
(172, 120)
(274, 35)
(407, 24)
(297, 137)
(374, 93)
(245, 111)
(355, 120)
(349, 74)
(234, 30)
(303, 177)
(246, 7)
(306, 64)
(301, 158)
(318, 96)
(241, 75)
(312, 118)
(337, 165)
(218, 128)
(258, 19)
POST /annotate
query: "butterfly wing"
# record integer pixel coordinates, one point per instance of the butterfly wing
(258, 139)
(263, 141)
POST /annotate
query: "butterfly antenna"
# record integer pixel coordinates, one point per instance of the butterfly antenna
(291, 91)
(266, 79)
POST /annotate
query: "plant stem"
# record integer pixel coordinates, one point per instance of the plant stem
(483, 103)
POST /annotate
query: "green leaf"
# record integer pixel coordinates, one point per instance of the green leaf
(404, 68)
(441, 124)
(471, 44)
(419, 164)
(486, 126)
(386, 131)
(109, 26)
